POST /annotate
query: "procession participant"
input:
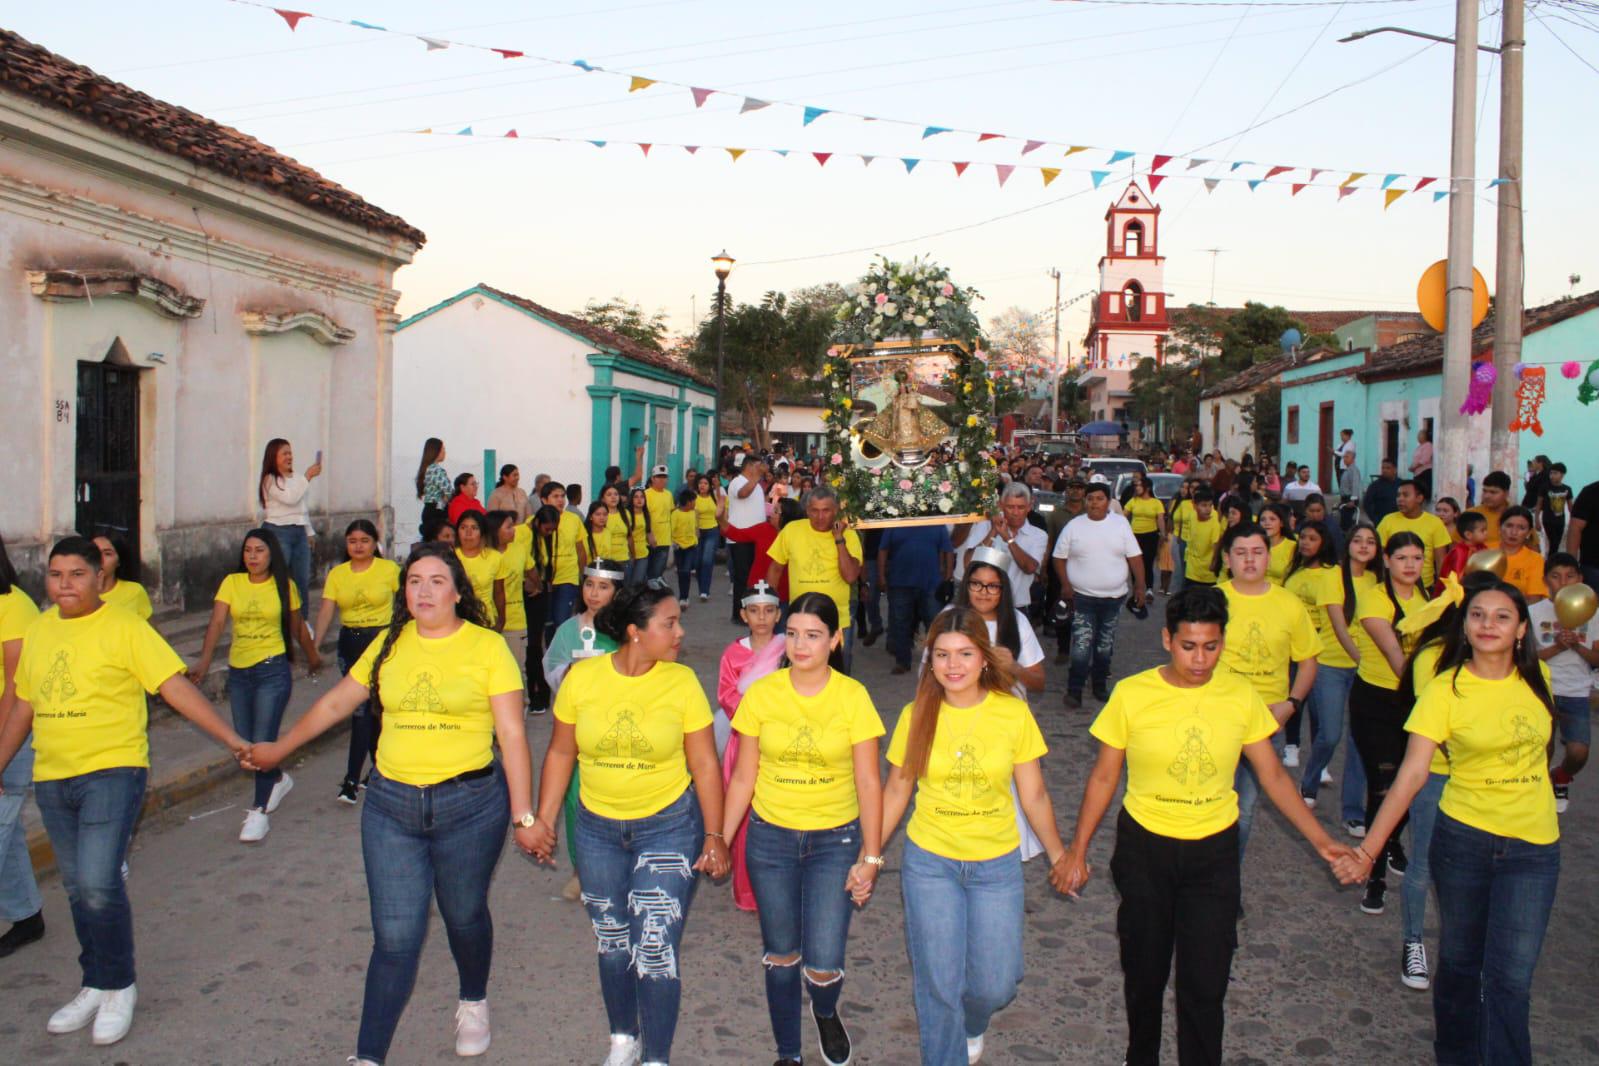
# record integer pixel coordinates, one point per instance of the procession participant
(1472, 531)
(515, 561)
(20, 903)
(537, 537)
(1495, 498)
(436, 529)
(744, 662)
(1377, 712)
(1316, 579)
(685, 542)
(1496, 845)
(1571, 655)
(1202, 534)
(1277, 519)
(710, 508)
(483, 566)
(618, 528)
(508, 494)
(959, 747)
(565, 561)
(1524, 564)
(80, 688)
(637, 723)
(1010, 532)
(433, 824)
(432, 481)
(1412, 516)
(464, 498)
(819, 555)
(747, 524)
(264, 608)
(1554, 505)
(912, 561)
(1361, 567)
(1183, 730)
(1147, 516)
(362, 590)
(807, 774)
(641, 536)
(658, 502)
(1448, 511)
(1096, 560)
(1182, 513)
(116, 587)
(285, 512)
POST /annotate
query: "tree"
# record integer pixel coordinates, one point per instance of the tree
(1264, 417)
(628, 319)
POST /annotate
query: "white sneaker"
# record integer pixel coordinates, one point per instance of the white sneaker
(1310, 801)
(1355, 829)
(1291, 755)
(279, 790)
(472, 1028)
(1326, 778)
(78, 1013)
(353, 1061)
(974, 1049)
(256, 824)
(625, 1051)
(116, 1015)
(682, 602)
(704, 598)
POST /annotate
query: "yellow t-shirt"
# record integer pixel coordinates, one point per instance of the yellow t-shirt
(568, 532)
(964, 809)
(1374, 603)
(1183, 745)
(1199, 553)
(1144, 513)
(812, 561)
(1525, 571)
(87, 678)
(807, 769)
(1430, 528)
(1181, 515)
(615, 544)
(1424, 669)
(1319, 589)
(1493, 524)
(705, 511)
(1264, 634)
(1280, 559)
(17, 613)
(257, 615)
(641, 543)
(437, 721)
(630, 733)
(660, 505)
(685, 533)
(1498, 773)
(130, 596)
(364, 599)
(483, 570)
(514, 562)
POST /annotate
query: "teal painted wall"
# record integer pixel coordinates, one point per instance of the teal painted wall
(1349, 402)
(1570, 430)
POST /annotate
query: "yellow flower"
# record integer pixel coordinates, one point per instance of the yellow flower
(847, 403)
(967, 387)
(837, 480)
(971, 420)
(827, 368)
(977, 482)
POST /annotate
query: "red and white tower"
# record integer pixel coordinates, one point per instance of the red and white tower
(1129, 320)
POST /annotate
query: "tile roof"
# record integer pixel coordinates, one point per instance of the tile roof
(1425, 355)
(32, 71)
(1313, 321)
(1260, 373)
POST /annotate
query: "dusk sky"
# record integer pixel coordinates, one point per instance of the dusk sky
(564, 222)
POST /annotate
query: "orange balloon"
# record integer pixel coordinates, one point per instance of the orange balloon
(1432, 294)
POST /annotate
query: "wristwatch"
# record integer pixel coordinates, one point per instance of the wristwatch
(1298, 702)
(873, 860)
(527, 821)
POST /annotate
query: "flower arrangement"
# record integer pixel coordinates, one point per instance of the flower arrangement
(906, 300)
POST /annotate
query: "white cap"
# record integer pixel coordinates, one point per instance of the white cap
(658, 471)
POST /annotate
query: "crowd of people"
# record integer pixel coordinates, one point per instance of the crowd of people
(1288, 612)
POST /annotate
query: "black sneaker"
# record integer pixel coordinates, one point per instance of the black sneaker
(1397, 862)
(833, 1037)
(1413, 966)
(1102, 694)
(1074, 699)
(1371, 903)
(788, 1062)
(347, 791)
(31, 928)
(365, 779)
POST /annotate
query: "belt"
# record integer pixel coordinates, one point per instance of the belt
(470, 775)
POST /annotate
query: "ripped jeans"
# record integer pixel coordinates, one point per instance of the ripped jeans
(799, 878)
(638, 881)
(1093, 640)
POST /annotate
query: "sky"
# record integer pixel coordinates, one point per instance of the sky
(565, 223)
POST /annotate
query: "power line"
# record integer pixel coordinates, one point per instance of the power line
(1561, 41)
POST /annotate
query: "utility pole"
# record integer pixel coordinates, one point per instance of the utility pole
(1215, 253)
(1453, 444)
(1054, 406)
(1509, 271)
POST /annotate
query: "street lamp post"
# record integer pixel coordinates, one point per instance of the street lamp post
(724, 266)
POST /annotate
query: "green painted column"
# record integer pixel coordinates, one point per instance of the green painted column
(602, 400)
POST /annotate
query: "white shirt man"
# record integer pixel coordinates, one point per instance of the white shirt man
(1098, 548)
(1302, 487)
(1023, 542)
(746, 499)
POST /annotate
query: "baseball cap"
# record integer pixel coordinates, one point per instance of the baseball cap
(658, 471)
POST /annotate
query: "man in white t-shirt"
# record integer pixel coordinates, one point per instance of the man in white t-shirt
(1301, 486)
(1572, 656)
(1096, 559)
(746, 513)
(1012, 533)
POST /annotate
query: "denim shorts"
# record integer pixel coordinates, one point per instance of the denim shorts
(1576, 725)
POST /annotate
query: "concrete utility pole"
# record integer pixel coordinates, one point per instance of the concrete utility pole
(1054, 406)
(1509, 271)
(1453, 445)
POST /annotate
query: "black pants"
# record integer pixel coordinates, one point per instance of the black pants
(364, 724)
(1182, 896)
(1149, 544)
(1377, 726)
(742, 556)
(538, 689)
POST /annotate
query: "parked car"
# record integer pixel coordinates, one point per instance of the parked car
(1112, 467)
(1166, 485)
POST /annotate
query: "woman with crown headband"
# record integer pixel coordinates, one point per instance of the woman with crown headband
(744, 662)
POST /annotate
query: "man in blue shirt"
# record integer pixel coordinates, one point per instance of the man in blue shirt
(912, 560)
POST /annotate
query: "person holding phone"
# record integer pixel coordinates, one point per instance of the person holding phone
(284, 497)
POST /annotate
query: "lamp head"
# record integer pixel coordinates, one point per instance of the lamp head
(723, 264)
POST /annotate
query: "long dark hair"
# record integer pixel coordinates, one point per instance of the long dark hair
(278, 570)
(1457, 650)
(493, 522)
(1435, 633)
(1006, 632)
(8, 573)
(1376, 566)
(930, 694)
(546, 514)
(468, 608)
(1326, 555)
(124, 571)
(476, 518)
(822, 606)
(431, 449)
(269, 468)
(633, 605)
(588, 525)
(1403, 539)
(505, 472)
(645, 510)
(360, 525)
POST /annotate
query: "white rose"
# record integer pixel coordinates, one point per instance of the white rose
(944, 504)
(892, 510)
(921, 320)
(910, 501)
(940, 301)
(965, 467)
(890, 309)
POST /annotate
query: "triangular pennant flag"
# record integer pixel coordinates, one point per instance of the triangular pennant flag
(1155, 180)
(635, 83)
(1296, 188)
(1274, 171)
(434, 44)
(1254, 183)
(508, 53)
(464, 131)
(293, 17)
(598, 144)
(981, 137)
(1211, 183)
(782, 152)
(691, 148)
(910, 164)
(1235, 166)
(645, 148)
(1158, 162)
(822, 158)
(1439, 194)
(1423, 183)
(1497, 181)
(510, 133)
(1388, 180)
(866, 160)
(735, 153)
(1031, 145)
(1346, 190)
(1049, 174)
(1003, 171)
(933, 131)
(752, 104)
(1192, 163)
(1316, 172)
(1098, 176)
(812, 114)
(1390, 196)
(960, 168)
(583, 64)
(1353, 177)
(1117, 156)
(369, 25)
(428, 130)
(1074, 149)
(701, 95)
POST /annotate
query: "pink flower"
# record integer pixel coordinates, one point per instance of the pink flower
(882, 298)
(833, 351)
(944, 486)
(947, 290)
(905, 485)
(837, 459)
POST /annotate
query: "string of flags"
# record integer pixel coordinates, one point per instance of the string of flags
(810, 113)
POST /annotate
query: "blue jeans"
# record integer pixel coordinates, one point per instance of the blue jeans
(1247, 785)
(258, 695)
(1179, 568)
(563, 601)
(1329, 698)
(19, 892)
(364, 725)
(90, 819)
(1093, 640)
(1418, 876)
(638, 881)
(687, 560)
(871, 597)
(963, 930)
(296, 544)
(1576, 720)
(657, 563)
(638, 571)
(709, 538)
(798, 878)
(908, 607)
(419, 844)
(1494, 898)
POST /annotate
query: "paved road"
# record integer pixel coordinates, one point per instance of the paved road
(256, 954)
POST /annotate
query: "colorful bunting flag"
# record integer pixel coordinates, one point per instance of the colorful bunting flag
(822, 158)
(293, 17)
(1192, 163)
(1295, 188)
(1003, 171)
(1390, 196)
(598, 144)
(701, 95)
(1353, 177)
(1236, 165)
(510, 133)
(866, 160)
(1497, 181)
(981, 137)
(1389, 179)
(960, 168)
(752, 104)
(1031, 145)
(1211, 183)
(1439, 194)
(1274, 171)
(1254, 183)
(1075, 148)
(369, 26)
(1316, 172)
(1158, 162)
(812, 114)
(464, 131)
(512, 53)
(583, 65)
(910, 164)
(735, 153)
(1346, 190)
(1423, 183)
(933, 131)
(434, 44)
(1098, 176)
(1155, 180)
(782, 152)
(635, 83)
(645, 148)
(1117, 156)
(691, 149)
(1049, 174)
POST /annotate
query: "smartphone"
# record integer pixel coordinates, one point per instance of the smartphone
(319, 457)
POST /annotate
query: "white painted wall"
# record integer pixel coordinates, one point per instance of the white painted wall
(796, 418)
(1234, 438)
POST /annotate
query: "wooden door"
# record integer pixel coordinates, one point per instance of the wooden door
(1326, 476)
(107, 483)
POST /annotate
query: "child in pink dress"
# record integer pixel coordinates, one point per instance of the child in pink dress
(744, 662)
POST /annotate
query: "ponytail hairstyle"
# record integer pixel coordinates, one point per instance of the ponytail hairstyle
(468, 608)
(1006, 633)
(1457, 650)
(460, 483)
(588, 524)
(278, 569)
(269, 467)
(1325, 555)
(930, 694)
(505, 472)
(633, 606)
(1375, 567)
(819, 605)
(544, 543)
(360, 525)
(432, 448)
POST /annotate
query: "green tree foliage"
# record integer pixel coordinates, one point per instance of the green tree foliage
(768, 347)
(628, 319)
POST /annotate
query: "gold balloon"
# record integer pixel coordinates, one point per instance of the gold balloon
(1490, 561)
(1574, 605)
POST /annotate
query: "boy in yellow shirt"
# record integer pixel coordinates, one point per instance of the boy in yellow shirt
(686, 540)
(1200, 534)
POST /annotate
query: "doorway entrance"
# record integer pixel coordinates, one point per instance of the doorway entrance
(1326, 476)
(107, 486)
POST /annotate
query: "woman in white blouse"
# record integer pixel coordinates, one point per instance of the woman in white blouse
(283, 494)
